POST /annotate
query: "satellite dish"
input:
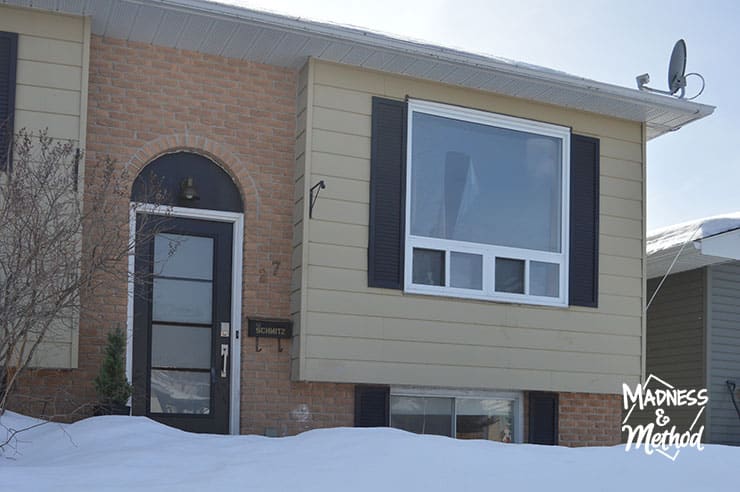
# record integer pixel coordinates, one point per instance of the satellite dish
(677, 67)
(676, 75)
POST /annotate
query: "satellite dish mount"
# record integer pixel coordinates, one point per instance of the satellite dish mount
(676, 75)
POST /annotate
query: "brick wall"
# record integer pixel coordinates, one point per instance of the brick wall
(274, 405)
(585, 419)
(145, 101)
(589, 419)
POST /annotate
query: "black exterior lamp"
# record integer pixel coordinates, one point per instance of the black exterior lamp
(188, 192)
(317, 189)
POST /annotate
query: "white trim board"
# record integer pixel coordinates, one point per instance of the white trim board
(237, 219)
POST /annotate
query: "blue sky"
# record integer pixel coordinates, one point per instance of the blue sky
(692, 173)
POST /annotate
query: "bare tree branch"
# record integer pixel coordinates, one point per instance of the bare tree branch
(55, 246)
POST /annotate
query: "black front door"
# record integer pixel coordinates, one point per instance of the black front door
(182, 321)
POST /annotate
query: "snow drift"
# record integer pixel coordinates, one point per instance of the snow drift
(135, 453)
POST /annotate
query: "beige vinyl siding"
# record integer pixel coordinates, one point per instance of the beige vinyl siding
(55, 349)
(675, 337)
(724, 352)
(51, 80)
(353, 333)
(51, 94)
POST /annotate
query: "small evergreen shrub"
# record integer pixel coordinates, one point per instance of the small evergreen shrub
(111, 384)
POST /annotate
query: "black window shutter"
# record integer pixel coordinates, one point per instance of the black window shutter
(583, 278)
(387, 194)
(8, 61)
(543, 418)
(371, 406)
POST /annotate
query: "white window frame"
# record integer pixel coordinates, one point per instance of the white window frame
(516, 397)
(488, 251)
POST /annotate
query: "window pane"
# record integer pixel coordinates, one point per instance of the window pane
(466, 271)
(181, 346)
(182, 301)
(429, 267)
(510, 275)
(422, 415)
(483, 184)
(176, 255)
(180, 392)
(490, 419)
(544, 279)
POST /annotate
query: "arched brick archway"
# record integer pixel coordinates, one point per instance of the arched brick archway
(215, 151)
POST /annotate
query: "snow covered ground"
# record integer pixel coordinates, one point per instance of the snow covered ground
(135, 453)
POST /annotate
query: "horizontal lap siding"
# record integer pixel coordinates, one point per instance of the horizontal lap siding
(724, 352)
(50, 72)
(353, 333)
(444, 375)
(475, 334)
(675, 335)
(51, 95)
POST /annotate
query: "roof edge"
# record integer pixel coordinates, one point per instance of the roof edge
(451, 55)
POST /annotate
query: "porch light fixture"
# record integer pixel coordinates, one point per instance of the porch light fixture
(187, 189)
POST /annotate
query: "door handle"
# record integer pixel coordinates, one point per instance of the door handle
(224, 359)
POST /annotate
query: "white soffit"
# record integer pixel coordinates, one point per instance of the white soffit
(690, 259)
(241, 33)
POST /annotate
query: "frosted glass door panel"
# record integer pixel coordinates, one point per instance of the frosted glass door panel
(177, 255)
(181, 346)
(182, 301)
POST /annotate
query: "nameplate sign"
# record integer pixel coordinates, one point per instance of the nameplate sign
(270, 328)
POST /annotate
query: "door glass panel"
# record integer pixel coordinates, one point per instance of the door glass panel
(422, 415)
(490, 419)
(182, 301)
(177, 255)
(180, 392)
(181, 346)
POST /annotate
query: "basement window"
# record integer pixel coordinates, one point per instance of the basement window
(492, 417)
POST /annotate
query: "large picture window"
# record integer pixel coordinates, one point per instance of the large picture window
(487, 205)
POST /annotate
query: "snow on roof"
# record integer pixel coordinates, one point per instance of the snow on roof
(676, 235)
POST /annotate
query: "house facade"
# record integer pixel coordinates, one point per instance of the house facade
(386, 233)
(693, 338)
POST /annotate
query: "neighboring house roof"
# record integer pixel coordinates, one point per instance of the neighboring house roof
(280, 40)
(701, 242)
